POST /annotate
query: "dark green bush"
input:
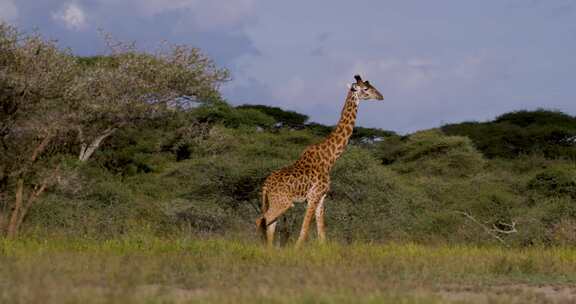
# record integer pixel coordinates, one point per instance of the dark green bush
(425, 187)
(555, 181)
(231, 117)
(284, 118)
(431, 152)
(549, 133)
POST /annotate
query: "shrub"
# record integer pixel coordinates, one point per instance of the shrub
(197, 216)
(555, 181)
(564, 232)
(369, 201)
(283, 117)
(233, 117)
(550, 133)
(431, 152)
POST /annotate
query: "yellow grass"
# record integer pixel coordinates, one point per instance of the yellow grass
(154, 270)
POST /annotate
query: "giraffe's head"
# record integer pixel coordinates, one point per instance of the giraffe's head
(364, 90)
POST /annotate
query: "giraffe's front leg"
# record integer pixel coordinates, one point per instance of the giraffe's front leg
(306, 223)
(320, 220)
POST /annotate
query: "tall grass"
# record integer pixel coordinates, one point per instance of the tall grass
(137, 269)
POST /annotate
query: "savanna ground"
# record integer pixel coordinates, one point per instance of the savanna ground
(142, 269)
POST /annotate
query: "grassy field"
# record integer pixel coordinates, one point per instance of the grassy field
(153, 270)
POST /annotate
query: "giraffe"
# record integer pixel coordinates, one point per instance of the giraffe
(308, 179)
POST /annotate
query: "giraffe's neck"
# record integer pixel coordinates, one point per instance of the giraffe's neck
(338, 139)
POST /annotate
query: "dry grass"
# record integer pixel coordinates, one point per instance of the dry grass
(152, 270)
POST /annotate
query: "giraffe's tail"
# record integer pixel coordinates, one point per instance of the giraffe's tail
(261, 221)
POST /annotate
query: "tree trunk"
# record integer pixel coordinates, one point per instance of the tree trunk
(19, 209)
(87, 150)
(11, 231)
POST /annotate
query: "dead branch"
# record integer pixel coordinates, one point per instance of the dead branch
(87, 150)
(512, 227)
(491, 232)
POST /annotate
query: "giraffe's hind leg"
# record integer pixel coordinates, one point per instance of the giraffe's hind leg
(270, 233)
(278, 206)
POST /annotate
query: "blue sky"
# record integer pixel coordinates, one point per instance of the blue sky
(435, 61)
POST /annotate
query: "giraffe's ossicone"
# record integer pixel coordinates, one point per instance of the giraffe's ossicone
(308, 179)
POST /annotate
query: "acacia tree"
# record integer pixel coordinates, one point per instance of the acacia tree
(38, 96)
(128, 87)
(47, 94)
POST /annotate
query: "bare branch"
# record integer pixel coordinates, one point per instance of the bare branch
(491, 232)
(87, 150)
(40, 148)
(509, 231)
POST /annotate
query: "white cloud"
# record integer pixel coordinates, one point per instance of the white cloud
(72, 16)
(8, 11)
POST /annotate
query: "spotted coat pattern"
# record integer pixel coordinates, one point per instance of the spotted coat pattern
(308, 179)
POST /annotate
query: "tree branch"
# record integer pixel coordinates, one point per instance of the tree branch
(512, 227)
(87, 150)
(491, 232)
(35, 194)
(41, 147)
(12, 224)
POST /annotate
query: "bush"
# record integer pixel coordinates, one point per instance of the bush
(431, 152)
(133, 152)
(369, 201)
(198, 216)
(284, 118)
(103, 207)
(555, 181)
(549, 133)
(231, 117)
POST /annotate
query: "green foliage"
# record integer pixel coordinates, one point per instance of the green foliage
(252, 117)
(182, 161)
(555, 181)
(360, 135)
(431, 152)
(319, 129)
(233, 117)
(539, 117)
(363, 135)
(549, 133)
(55, 104)
(134, 151)
(422, 195)
(283, 117)
(93, 61)
(369, 201)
